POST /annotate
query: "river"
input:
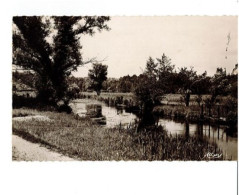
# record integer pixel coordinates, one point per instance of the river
(118, 117)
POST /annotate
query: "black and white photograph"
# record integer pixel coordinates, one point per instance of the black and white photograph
(119, 97)
(124, 88)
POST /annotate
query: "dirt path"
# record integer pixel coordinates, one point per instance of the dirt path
(23, 150)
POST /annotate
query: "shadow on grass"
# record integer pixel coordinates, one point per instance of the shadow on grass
(31, 138)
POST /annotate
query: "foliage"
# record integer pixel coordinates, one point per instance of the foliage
(29, 102)
(185, 78)
(232, 116)
(148, 91)
(173, 81)
(27, 78)
(151, 68)
(80, 82)
(151, 86)
(88, 142)
(162, 71)
(198, 86)
(97, 75)
(232, 87)
(50, 46)
(219, 83)
(73, 91)
(127, 83)
(111, 85)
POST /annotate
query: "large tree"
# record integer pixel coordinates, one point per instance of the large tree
(97, 75)
(163, 71)
(185, 78)
(148, 94)
(50, 46)
(199, 88)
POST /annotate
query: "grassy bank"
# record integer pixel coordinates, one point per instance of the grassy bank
(81, 139)
(170, 103)
(192, 113)
(167, 99)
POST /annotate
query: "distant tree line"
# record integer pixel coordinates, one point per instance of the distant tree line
(163, 75)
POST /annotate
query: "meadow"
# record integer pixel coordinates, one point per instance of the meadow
(167, 99)
(81, 139)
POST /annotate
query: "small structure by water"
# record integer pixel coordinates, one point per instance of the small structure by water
(94, 111)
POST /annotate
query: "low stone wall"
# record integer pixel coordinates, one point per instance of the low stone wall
(94, 111)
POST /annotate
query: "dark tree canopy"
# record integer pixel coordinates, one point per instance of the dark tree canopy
(50, 46)
(165, 66)
(162, 70)
(186, 77)
(155, 81)
(151, 68)
(97, 75)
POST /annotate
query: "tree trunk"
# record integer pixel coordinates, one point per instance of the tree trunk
(98, 92)
(201, 115)
(186, 130)
(187, 99)
(147, 118)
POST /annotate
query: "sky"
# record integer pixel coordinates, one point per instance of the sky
(197, 41)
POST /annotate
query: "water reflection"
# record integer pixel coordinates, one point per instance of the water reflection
(214, 134)
(114, 117)
(227, 143)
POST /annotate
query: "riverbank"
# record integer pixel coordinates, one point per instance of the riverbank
(191, 114)
(172, 107)
(80, 139)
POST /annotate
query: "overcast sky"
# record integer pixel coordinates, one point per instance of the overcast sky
(200, 42)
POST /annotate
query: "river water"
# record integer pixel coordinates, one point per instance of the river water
(118, 117)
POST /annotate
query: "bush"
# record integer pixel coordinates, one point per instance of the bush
(232, 118)
(64, 108)
(21, 101)
(30, 102)
(73, 91)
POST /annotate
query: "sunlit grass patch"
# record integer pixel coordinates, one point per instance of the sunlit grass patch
(24, 112)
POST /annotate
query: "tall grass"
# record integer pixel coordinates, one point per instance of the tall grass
(81, 139)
